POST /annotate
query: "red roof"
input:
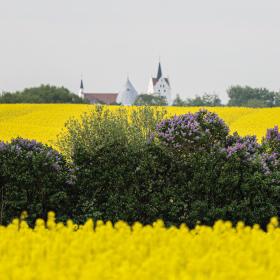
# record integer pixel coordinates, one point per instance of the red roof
(103, 98)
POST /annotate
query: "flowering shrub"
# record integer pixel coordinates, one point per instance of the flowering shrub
(192, 171)
(272, 140)
(245, 147)
(33, 177)
(192, 132)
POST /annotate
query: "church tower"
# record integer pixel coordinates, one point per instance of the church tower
(81, 91)
(160, 86)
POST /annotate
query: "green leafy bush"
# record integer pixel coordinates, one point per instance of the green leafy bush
(189, 171)
(33, 178)
(108, 148)
(138, 166)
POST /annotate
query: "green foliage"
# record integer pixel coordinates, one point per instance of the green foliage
(148, 99)
(178, 101)
(137, 166)
(42, 94)
(108, 148)
(33, 178)
(252, 97)
(122, 174)
(206, 99)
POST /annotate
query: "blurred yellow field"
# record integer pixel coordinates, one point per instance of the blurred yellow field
(43, 122)
(138, 252)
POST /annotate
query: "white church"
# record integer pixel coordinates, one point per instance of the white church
(158, 86)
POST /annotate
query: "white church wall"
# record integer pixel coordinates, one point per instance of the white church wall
(163, 89)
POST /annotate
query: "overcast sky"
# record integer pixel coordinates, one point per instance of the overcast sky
(205, 46)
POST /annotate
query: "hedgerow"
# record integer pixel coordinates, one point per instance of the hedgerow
(142, 166)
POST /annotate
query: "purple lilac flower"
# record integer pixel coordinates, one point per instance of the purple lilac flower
(269, 162)
(273, 134)
(192, 131)
(247, 145)
(2, 146)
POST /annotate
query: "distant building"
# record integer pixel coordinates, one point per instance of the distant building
(102, 98)
(160, 86)
(127, 96)
(81, 90)
(98, 98)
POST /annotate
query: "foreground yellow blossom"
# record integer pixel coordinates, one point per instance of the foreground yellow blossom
(44, 122)
(138, 252)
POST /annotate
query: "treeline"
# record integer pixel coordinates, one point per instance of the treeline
(253, 97)
(238, 96)
(41, 94)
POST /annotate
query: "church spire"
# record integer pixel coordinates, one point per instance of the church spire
(159, 74)
(81, 91)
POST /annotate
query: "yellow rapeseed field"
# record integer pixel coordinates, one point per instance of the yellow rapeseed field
(139, 252)
(44, 121)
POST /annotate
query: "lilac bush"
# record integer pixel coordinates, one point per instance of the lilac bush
(271, 141)
(246, 147)
(33, 177)
(192, 132)
(270, 162)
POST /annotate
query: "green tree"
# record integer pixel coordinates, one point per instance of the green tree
(256, 103)
(178, 101)
(204, 100)
(277, 99)
(41, 94)
(148, 99)
(252, 97)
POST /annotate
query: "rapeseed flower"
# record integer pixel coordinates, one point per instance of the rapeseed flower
(105, 251)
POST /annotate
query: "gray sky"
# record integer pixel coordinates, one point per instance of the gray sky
(205, 46)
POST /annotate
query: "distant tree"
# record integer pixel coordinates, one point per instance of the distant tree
(256, 103)
(178, 101)
(42, 94)
(252, 97)
(204, 100)
(211, 100)
(277, 99)
(148, 99)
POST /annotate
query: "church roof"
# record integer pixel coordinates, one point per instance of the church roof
(159, 73)
(128, 95)
(82, 85)
(103, 98)
(155, 80)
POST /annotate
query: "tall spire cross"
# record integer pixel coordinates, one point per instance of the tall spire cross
(159, 74)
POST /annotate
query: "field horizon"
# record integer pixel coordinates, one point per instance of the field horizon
(43, 122)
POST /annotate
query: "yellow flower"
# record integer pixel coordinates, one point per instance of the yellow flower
(43, 122)
(137, 252)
